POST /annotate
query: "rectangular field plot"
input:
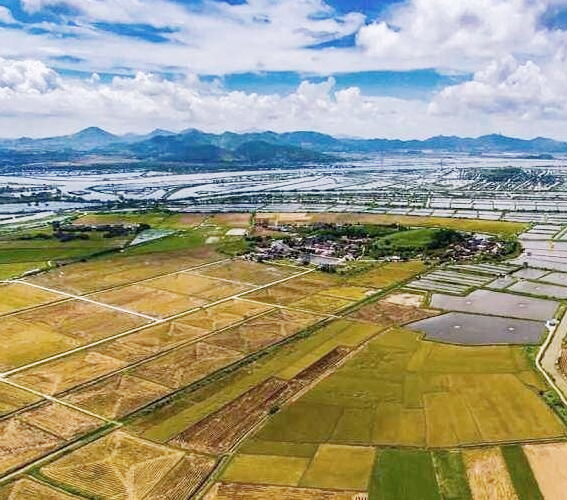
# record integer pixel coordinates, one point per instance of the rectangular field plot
(324, 304)
(339, 467)
(541, 289)
(21, 443)
(81, 320)
(151, 301)
(263, 331)
(386, 312)
(13, 399)
(24, 343)
(28, 489)
(459, 277)
(400, 390)
(117, 396)
(228, 491)
(392, 473)
(61, 421)
(547, 462)
(433, 285)
(388, 274)
(16, 296)
(555, 278)
(201, 287)
(488, 475)
(63, 374)
(150, 341)
(246, 272)
(266, 469)
(293, 290)
(187, 364)
(122, 467)
(224, 315)
(451, 475)
(529, 273)
(497, 304)
(474, 329)
(493, 269)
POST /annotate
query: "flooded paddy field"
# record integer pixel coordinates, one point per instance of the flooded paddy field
(497, 304)
(475, 329)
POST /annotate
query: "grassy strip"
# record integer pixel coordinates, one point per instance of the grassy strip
(451, 475)
(521, 473)
(403, 475)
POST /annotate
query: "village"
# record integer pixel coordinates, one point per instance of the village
(332, 246)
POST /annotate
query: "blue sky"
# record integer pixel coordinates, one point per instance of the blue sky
(400, 68)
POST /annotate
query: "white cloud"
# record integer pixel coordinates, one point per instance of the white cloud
(6, 15)
(457, 34)
(27, 77)
(35, 100)
(523, 90)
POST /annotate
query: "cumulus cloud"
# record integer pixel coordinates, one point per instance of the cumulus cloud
(26, 77)
(457, 34)
(506, 86)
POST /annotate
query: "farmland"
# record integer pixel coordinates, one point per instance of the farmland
(171, 371)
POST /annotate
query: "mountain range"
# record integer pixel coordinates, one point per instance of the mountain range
(262, 147)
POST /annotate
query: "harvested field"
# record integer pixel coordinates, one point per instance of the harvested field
(340, 467)
(117, 396)
(284, 294)
(266, 469)
(223, 315)
(12, 398)
(184, 479)
(84, 321)
(87, 277)
(548, 464)
(353, 293)
(147, 300)
(231, 219)
(321, 366)
(541, 289)
(117, 466)
(25, 343)
(392, 470)
(150, 341)
(497, 304)
(409, 392)
(475, 329)
(224, 491)
(187, 364)
(220, 431)
(404, 299)
(488, 475)
(388, 274)
(60, 420)
(451, 475)
(68, 372)
(263, 331)
(322, 304)
(16, 296)
(21, 443)
(28, 489)
(201, 287)
(248, 272)
(386, 312)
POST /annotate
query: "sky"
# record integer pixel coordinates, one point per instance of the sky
(352, 68)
